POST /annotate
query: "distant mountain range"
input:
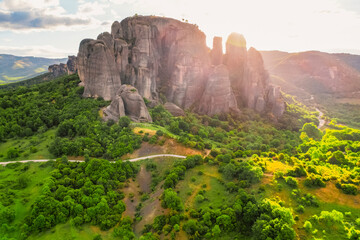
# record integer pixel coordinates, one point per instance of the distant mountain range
(14, 68)
(311, 73)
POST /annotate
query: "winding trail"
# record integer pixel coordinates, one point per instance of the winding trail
(321, 121)
(130, 160)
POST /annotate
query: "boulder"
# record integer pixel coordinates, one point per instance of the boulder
(174, 110)
(127, 102)
(115, 110)
(134, 104)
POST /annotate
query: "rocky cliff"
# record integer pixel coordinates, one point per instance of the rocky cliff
(57, 70)
(70, 67)
(163, 56)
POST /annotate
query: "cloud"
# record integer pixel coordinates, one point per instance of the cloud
(23, 15)
(26, 5)
(37, 20)
(47, 51)
(92, 9)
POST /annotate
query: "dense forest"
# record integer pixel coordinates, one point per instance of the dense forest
(253, 177)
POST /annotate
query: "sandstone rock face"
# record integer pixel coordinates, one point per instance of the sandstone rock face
(173, 109)
(57, 70)
(218, 96)
(127, 102)
(162, 56)
(97, 69)
(249, 79)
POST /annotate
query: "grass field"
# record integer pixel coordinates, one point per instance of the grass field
(22, 198)
(68, 232)
(330, 198)
(151, 129)
(34, 147)
(203, 177)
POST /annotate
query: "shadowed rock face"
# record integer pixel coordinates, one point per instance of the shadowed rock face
(218, 96)
(159, 55)
(71, 65)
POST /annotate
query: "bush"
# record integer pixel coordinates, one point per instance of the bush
(314, 181)
(159, 133)
(347, 188)
(308, 226)
(300, 209)
(292, 182)
(199, 198)
(12, 153)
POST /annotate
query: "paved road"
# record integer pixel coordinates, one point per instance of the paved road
(130, 160)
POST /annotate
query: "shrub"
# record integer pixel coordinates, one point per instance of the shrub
(199, 198)
(347, 188)
(12, 153)
(314, 181)
(159, 133)
(308, 226)
(300, 209)
(292, 182)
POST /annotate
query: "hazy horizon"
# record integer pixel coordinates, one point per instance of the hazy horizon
(54, 28)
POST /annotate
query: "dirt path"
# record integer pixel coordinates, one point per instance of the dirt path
(151, 208)
(144, 180)
(321, 121)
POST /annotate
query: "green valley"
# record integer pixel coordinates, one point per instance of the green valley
(245, 177)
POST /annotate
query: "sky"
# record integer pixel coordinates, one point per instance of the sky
(54, 28)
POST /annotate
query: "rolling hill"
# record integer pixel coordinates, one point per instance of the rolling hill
(15, 68)
(315, 72)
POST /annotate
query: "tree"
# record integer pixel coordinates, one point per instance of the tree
(308, 226)
(190, 227)
(216, 231)
(13, 153)
(171, 200)
(40, 222)
(312, 131)
(124, 122)
(229, 171)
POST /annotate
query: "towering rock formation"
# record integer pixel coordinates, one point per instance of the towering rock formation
(217, 51)
(159, 55)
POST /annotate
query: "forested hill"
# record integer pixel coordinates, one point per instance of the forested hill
(15, 68)
(245, 177)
